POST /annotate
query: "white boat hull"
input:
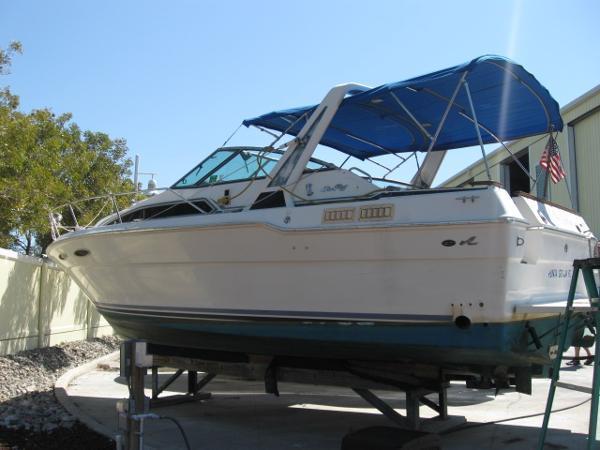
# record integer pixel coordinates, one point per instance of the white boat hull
(382, 274)
(203, 281)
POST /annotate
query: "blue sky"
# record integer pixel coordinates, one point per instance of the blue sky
(176, 78)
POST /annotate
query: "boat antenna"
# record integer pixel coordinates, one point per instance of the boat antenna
(232, 134)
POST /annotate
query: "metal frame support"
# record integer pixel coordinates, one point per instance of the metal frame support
(414, 398)
(442, 406)
(413, 118)
(289, 168)
(497, 139)
(424, 177)
(204, 381)
(412, 409)
(192, 382)
(133, 367)
(156, 389)
(193, 388)
(443, 401)
(572, 152)
(138, 375)
(74, 217)
(135, 361)
(485, 161)
(115, 206)
(384, 408)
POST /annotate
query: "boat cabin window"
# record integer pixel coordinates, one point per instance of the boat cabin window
(237, 164)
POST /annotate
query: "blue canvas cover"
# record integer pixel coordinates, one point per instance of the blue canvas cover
(509, 103)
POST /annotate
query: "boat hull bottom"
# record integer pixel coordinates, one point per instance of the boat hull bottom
(477, 349)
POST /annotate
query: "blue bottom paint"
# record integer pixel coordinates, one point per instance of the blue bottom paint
(481, 344)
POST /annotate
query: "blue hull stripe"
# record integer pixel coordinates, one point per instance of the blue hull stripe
(257, 313)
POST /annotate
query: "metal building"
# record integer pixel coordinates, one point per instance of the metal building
(579, 146)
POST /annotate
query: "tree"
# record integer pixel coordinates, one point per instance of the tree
(6, 56)
(6, 98)
(47, 160)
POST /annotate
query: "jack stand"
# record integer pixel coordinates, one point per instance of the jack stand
(132, 412)
(193, 388)
(414, 398)
(134, 362)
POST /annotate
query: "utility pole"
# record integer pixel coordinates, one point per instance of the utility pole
(136, 172)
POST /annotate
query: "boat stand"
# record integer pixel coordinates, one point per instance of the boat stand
(586, 267)
(414, 399)
(135, 362)
(193, 388)
(138, 356)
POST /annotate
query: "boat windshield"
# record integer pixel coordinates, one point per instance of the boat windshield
(227, 165)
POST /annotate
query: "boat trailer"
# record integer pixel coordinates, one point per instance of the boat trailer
(139, 357)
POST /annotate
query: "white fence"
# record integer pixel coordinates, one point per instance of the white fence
(40, 305)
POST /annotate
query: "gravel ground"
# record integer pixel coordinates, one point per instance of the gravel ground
(30, 416)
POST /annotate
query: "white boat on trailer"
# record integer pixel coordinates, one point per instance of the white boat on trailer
(270, 251)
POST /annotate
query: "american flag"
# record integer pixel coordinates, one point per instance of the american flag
(551, 162)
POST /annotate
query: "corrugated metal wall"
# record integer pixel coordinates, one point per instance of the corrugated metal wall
(587, 151)
(583, 118)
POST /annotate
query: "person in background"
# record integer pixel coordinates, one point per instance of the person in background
(587, 333)
(588, 362)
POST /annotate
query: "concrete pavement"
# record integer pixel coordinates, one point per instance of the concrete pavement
(240, 416)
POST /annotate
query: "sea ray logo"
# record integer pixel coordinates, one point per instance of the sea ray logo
(337, 187)
(470, 241)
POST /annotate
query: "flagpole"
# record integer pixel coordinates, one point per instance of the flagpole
(548, 175)
(569, 192)
(565, 178)
(551, 163)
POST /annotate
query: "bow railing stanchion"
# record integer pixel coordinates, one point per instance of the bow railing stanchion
(94, 210)
(117, 212)
(54, 232)
(74, 217)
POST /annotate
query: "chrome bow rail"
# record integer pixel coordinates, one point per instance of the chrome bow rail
(67, 217)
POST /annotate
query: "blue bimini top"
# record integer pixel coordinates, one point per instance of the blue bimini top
(509, 104)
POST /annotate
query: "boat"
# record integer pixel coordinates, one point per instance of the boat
(272, 251)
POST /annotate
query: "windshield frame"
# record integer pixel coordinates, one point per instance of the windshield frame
(235, 151)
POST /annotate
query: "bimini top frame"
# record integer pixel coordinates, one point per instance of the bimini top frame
(489, 99)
